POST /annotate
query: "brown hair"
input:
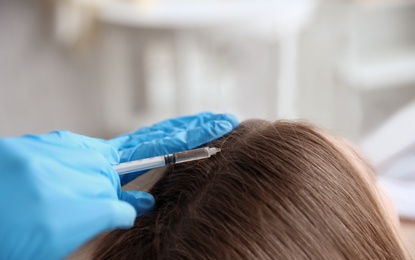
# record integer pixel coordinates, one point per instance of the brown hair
(276, 191)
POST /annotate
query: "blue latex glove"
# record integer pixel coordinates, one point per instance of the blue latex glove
(57, 191)
(171, 136)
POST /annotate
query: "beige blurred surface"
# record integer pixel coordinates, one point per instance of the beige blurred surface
(408, 236)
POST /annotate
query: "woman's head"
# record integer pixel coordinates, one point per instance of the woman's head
(281, 190)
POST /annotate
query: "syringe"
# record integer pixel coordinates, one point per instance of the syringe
(168, 159)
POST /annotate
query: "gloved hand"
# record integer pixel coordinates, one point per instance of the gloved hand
(57, 191)
(171, 136)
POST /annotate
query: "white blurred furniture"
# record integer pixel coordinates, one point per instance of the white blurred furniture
(208, 27)
(351, 56)
(379, 54)
(394, 138)
(271, 21)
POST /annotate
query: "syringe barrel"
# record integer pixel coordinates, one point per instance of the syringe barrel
(140, 165)
(192, 155)
(168, 159)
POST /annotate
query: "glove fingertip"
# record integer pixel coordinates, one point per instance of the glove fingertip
(143, 202)
(221, 128)
(232, 119)
(123, 215)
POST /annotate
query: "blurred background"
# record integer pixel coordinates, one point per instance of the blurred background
(103, 67)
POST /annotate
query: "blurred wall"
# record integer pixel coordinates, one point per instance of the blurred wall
(125, 77)
(43, 86)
